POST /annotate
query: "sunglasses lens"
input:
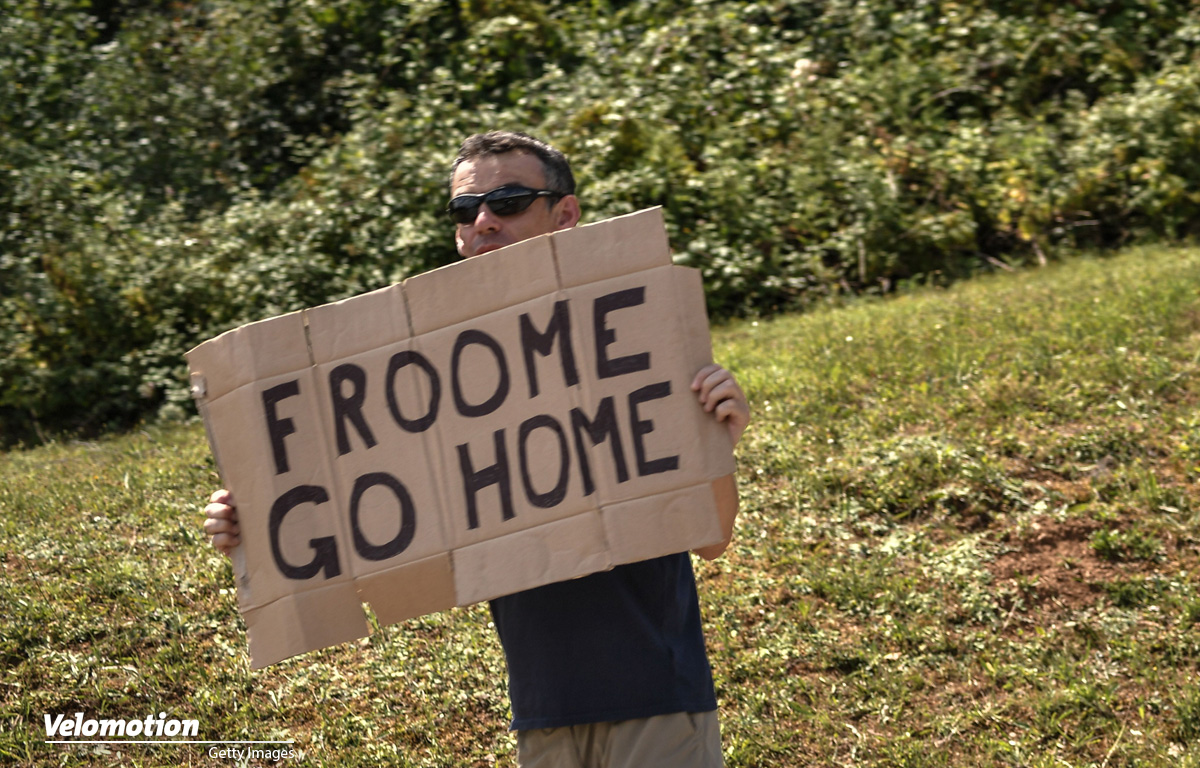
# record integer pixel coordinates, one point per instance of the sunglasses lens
(511, 204)
(505, 201)
(464, 211)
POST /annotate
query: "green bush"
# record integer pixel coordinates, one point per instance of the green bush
(167, 172)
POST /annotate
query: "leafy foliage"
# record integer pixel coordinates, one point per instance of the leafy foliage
(170, 170)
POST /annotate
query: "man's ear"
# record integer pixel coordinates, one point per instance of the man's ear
(567, 213)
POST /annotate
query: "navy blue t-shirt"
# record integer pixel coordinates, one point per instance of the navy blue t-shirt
(616, 645)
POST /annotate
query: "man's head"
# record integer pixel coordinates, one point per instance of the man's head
(520, 166)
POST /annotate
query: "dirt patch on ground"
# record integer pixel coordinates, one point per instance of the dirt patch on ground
(1053, 565)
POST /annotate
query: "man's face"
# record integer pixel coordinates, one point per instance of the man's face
(489, 231)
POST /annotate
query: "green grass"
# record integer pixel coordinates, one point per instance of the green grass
(969, 532)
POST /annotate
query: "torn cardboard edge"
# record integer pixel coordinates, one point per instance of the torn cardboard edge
(279, 630)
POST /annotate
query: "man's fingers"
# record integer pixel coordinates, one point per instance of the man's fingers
(221, 527)
(215, 511)
(702, 374)
(719, 394)
(221, 521)
(213, 525)
(731, 408)
(716, 387)
(225, 542)
(224, 532)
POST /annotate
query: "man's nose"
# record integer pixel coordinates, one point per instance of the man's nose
(485, 220)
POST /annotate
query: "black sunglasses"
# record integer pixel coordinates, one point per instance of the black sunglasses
(502, 201)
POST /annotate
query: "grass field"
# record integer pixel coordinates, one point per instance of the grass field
(969, 538)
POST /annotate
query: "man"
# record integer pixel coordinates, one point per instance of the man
(610, 669)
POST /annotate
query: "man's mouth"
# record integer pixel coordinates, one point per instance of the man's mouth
(487, 248)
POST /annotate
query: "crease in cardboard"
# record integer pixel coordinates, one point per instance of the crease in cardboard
(312, 360)
(439, 485)
(577, 394)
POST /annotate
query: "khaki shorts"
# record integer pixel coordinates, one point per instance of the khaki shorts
(681, 740)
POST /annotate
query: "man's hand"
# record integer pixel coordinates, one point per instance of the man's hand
(721, 396)
(221, 521)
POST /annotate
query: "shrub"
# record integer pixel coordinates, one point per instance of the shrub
(168, 172)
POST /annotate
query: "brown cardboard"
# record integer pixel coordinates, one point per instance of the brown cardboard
(357, 325)
(415, 589)
(611, 248)
(286, 627)
(394, 462)
(556, 551)
(500, 511)
(513, 420)
(463, 291)
(682, 519)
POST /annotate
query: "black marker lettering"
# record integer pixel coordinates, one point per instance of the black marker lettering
(349, 407)
(555, 495)
(605, 336)
(543, 343)
(399, 361)
(279, 428)
(496, 474)
(325, 554)
(473, 336)
(642, 427)
(604, 426)
(408, 517)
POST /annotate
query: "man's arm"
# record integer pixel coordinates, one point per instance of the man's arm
(720, 395)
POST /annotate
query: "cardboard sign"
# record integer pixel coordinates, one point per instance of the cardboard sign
(516, 419)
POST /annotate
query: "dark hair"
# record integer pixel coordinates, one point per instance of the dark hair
(554, 163)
